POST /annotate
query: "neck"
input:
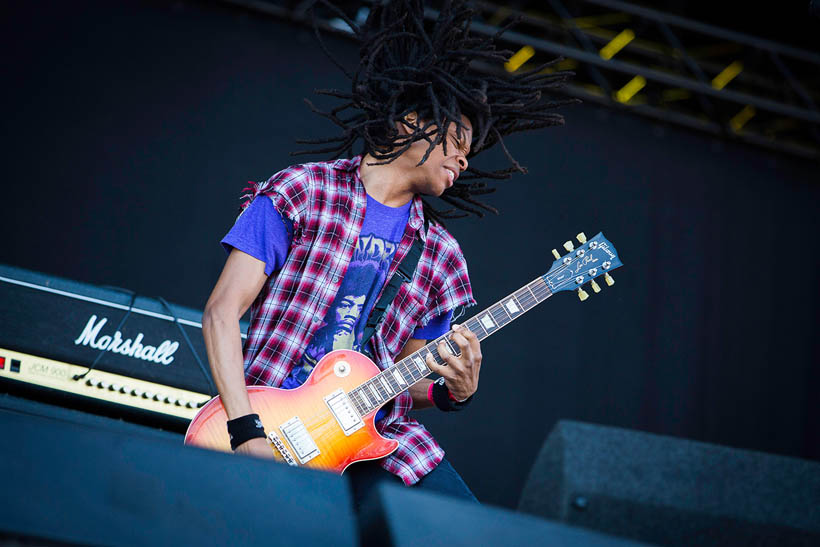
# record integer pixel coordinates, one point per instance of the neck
(389, 184)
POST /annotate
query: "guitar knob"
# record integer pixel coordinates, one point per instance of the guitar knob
(569, 246)
(556, 254)
(582, 238)
(608, 279)
(595, 287)
(582, 294)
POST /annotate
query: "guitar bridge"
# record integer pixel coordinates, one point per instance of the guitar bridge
(274, 439)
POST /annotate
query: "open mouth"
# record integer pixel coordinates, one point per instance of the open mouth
(450, 175)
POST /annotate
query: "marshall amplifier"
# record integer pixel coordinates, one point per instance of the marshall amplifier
(103, 349)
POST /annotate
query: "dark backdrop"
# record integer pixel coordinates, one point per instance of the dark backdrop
(130, 130)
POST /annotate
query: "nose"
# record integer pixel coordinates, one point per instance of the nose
(462, 163)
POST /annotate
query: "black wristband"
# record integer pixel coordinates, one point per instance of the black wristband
(244, 429)
(442, 400)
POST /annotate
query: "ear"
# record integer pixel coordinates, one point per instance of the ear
(404, 128)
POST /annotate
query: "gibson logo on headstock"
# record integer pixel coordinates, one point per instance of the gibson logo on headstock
(162, 354)
(605, 248)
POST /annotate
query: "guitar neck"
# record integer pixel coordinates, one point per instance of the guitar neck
(390, 382)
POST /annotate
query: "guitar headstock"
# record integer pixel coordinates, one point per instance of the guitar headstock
(583, 264)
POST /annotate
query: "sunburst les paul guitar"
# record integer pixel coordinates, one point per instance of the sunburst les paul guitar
(328, 422)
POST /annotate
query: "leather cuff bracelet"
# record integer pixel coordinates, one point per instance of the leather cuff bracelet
(245, 428)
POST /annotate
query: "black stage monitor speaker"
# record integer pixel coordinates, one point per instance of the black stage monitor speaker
(393, 515)
(672, 491)
(70, 480)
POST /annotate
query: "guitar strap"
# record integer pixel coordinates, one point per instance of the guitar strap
(403, 274)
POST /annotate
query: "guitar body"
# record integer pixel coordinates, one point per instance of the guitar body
(338, 370)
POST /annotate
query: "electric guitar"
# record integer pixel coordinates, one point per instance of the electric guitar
(328, 422)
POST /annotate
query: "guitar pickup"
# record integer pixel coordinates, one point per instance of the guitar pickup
(299, 439)
(342, 409)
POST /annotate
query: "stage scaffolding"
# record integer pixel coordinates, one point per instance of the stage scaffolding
(647, 62)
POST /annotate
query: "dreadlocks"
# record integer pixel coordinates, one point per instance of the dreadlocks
(408, 66)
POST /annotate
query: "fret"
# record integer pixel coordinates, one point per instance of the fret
(406, 372)
(385, 380)
(513, 308)
(367, 403)
(475, 327)
(452, 346)
(399, 378)
(503, 317)
(525, 298)
(401, 370)
(387, 384)
(374, 392)
(522, 296)
(488, 322)
(542, 289)
(433, 349)
(389, 390)
(383, 394)
(532, 293)
(418, 361)
(354, 398)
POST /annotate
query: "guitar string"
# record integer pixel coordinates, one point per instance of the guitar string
(432, 347)
(539, 291)
(544, 292)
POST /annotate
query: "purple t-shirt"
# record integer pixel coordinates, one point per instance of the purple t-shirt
(261, 232)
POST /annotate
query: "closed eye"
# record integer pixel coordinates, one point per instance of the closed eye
(458, 146)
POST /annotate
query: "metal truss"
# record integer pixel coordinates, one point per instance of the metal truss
(651, 63)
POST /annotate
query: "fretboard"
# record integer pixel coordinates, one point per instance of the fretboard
(390, 382)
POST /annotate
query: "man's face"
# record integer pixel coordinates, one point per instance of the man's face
(440, 171)
(348, 312)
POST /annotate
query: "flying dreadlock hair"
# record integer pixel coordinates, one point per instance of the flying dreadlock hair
(406, 66)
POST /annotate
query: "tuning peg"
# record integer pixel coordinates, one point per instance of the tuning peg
(556, 254)
(582, 238)
(595, 287)
(582, 294)
(569, 246)
(608, 279)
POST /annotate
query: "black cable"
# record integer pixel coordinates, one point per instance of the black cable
(119, 328)
(190, 346)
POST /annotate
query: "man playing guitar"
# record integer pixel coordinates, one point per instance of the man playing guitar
(316, 243)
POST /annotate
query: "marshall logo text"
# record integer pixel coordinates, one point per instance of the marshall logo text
(132, 348)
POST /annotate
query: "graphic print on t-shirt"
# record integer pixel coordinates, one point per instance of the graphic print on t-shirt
(345, 319)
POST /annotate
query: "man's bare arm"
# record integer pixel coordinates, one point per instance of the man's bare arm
(238, 285)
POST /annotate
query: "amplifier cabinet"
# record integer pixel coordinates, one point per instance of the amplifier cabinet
(79, 343)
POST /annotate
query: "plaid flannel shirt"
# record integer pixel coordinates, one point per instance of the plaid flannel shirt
(326, 202)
